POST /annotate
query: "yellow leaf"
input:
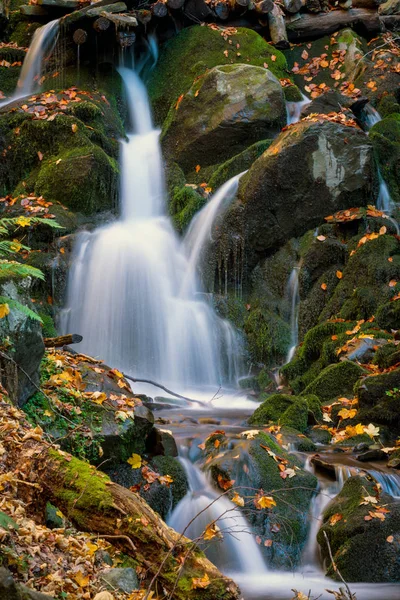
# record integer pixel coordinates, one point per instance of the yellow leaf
(369, 500)
(382, 230)
(357, 430)
(98, 397)
(81, 579)
(265, 502)
(339, 274)
(23, 221)
(104, 596)
(15, 246)
(4, 310)
(202, 582)
(335, 519)
(74, 128)
(345, 413)
(92, 548)
(211, 531)
(135, 461)
(48, 413)
(371, 430)
(238, 499)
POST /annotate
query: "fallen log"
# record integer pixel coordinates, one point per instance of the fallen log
(123, 21)
(93, 503)
(159, 9)
(316, 26)
(62, 340)
(221, 9)
(264, 7)
(101, 24)
(111, 8)
(277, 28)
(293, 6)
(77, 15)
(175, 4)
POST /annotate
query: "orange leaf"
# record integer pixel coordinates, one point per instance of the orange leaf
(339, 274)
(324, 286)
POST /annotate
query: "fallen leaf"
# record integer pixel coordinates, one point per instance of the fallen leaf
(324, 286)
(4, 310)
(74, 127)
(135, 461)
(238, 499)
(201, 583)
(335, 519)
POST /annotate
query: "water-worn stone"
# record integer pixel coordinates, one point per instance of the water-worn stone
(305, 175)
(224, 111)
(20, 376)
(122, 579)
(360, 547)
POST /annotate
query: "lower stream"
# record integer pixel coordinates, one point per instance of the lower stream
(236, 553)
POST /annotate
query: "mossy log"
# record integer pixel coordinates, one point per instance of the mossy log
(89, 499)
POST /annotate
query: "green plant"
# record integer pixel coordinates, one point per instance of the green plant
(13, 269)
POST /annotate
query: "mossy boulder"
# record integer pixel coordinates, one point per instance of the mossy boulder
(237, 164)
(360, 547)
(379, 398)
(85, 179)
(227, 108)
(184, 203)
(335, 381)
(256, 469)
(385, 138)
(268, 336)
(197, 49)
(388, 315)
(289, 411)
(306, 174)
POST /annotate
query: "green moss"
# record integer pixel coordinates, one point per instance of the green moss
(296, 416)
(387, 355)
(335, 381)
(292, 93)
(388, 315)
(185, 202)
(85, 179)
(388, 105)
(385, 138)
(48, 326)
(168, 465)
(359, 547)
(21, 29)
(237, 164)
(268, 336)
(263, 379)
(195, 50)
(271, 409)
(8, 79)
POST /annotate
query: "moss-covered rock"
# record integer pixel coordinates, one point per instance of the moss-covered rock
(335, 381)
(256, 469)
(237, 164)
(197, 49)
(268, 336)
(184, 203)
(379, 399)
(388, 315)
(289, 411)
(85, 179)
(385, 137)
(227, 108)
(360, 547)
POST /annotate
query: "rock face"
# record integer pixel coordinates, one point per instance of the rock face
(225, 110)
(360, 547)
(26, 347)
(306, 174)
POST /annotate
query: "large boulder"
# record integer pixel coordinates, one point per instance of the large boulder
(224, 111)
(307, 173)
(364, 546)
(197, 49)
(19, 373)
(379, 399)
(254, 463)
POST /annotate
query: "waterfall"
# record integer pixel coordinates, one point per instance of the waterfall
(125, 293)
(293, 296)
(236, 551)
(371, 116)
(199, 234)
(293, 109)
(43, 42)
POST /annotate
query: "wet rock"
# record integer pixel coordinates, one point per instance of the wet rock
(330, 101)
(359, 546)
(8, 587)
(20, 376)
(237, 164)
(161, 442)
(378, 399)
(363, 447)
(394, 461)
(257, 469)
(33, 10)
(322, 465)
(122, 579)
(225, 110)
(385, 137)
(336, 380)
(306, 174)
(371, 455)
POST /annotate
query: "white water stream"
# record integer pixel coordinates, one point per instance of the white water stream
(42, 44)
(134, 294)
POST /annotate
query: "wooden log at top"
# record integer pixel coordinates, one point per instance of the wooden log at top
(159, 9)
(110, 8)
(79, 37)
(175, 4)
(241, 4)
(221, 9)
(315, 26)
(293, 6)
(120, 20)
(277, 28)
(77, 15)
(264, 7)
(62, 340)
(143, 16)
(101, 24)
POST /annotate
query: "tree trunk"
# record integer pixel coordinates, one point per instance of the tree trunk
(264, 7)
(71, 338)
(316, 26)
(277, 28)
(293, 6)
(95, 504)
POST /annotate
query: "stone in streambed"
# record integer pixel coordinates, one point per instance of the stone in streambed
(226, 109)
(120, 579)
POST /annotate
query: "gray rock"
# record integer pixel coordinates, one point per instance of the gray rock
(27, 348)
(8, 587)
(124, 580)
(305, 175)
(330, 101)
(371, 455)
(226, 110)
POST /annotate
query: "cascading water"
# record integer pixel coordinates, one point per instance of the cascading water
(236, 551)
(43, 42)
(293, 295)
(125, 287)
(293, 109)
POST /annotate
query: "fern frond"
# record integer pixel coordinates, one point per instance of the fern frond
(10, 269)
(8, 247)
(15, 305)
(7, 223)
